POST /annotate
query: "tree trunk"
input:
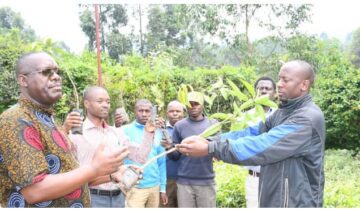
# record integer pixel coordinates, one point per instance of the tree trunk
(141, 34)
(247, 24)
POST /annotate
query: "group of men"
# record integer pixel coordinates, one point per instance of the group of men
(44, 165)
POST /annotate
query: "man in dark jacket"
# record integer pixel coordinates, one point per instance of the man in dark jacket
(195, 176)
(289, 145)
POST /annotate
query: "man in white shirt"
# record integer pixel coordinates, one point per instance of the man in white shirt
(104, 192)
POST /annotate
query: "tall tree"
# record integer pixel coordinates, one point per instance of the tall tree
(11, 20)
(112, 18)
(354, 48)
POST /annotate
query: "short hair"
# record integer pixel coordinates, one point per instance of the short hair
(142, 102)
(265, 78)
(175, 102)
(309, 70)
(21, 63)
(88, 91)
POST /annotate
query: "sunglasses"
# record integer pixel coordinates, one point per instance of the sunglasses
(47, 72)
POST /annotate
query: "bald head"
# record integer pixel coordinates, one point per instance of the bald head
(29, 61)
(175, 112)
(175, 103)
(142, 102)
(143, 111)
(302, 69)
(295, 80)
(97, 103)
(92, 91)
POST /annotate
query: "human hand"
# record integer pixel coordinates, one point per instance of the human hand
(72, 120)
(160, 122)
(104, 163)
(119, 174)
(164, 198)
(119, 119)
(194, 146)
(165, 143)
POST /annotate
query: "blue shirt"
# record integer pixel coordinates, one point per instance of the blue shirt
(171, 165)
(155, 173)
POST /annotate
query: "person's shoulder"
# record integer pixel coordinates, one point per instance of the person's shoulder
(212, 120)
(126, 127)
(181, 123)
(11, 115)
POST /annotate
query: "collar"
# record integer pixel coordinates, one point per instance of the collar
(168, 125)
(89, 125)
(138, 124)
(23, 101)
(296, 102)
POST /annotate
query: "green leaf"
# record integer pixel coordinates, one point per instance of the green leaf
(265, 101)
(260, 112)
(249, 88)
(236, 91)
(246, 105)
(221, 116)
(236, 108)
(236, 126)
(182, 95)
(211, 130)
(224, 92)
(208, 100)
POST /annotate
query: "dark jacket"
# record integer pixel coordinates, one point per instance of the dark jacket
(290, 149)
(192, 170)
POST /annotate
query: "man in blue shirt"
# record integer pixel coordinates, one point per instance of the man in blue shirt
(175, 112)
(144, 145)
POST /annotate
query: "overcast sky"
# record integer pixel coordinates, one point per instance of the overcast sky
(59, 20)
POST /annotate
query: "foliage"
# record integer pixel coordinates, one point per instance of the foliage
(242, 101)
(11, 20)
(354, 48)
(342, 188)
(112, 18)
(230, 181)
(156, 77)
(337, 93)
(11, 48)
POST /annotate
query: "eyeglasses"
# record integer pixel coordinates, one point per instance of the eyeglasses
(47, 72)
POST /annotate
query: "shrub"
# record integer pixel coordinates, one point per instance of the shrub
(230, 181)
(342, 188)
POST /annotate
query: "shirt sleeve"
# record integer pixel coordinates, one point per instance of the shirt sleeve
(22, 152)
(292, 138)
(176, 138)
(162, 168)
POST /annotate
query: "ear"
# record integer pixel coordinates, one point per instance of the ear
(305, 85)
(22, 80)
(86, 104)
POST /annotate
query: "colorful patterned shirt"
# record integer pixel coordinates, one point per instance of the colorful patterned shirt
(31, 147)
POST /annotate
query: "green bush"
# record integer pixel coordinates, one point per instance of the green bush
(342, 187)
(230, 181)
(337, 93)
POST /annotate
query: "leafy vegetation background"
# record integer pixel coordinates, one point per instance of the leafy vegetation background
(157, 74)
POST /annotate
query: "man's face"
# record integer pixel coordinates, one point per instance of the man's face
(142, 113)
(98, 104)
(195, 110)
(175, 113)
(291, 83)
(42, 81)
(265, 87)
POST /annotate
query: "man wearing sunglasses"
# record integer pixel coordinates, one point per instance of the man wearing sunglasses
(37, 167)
